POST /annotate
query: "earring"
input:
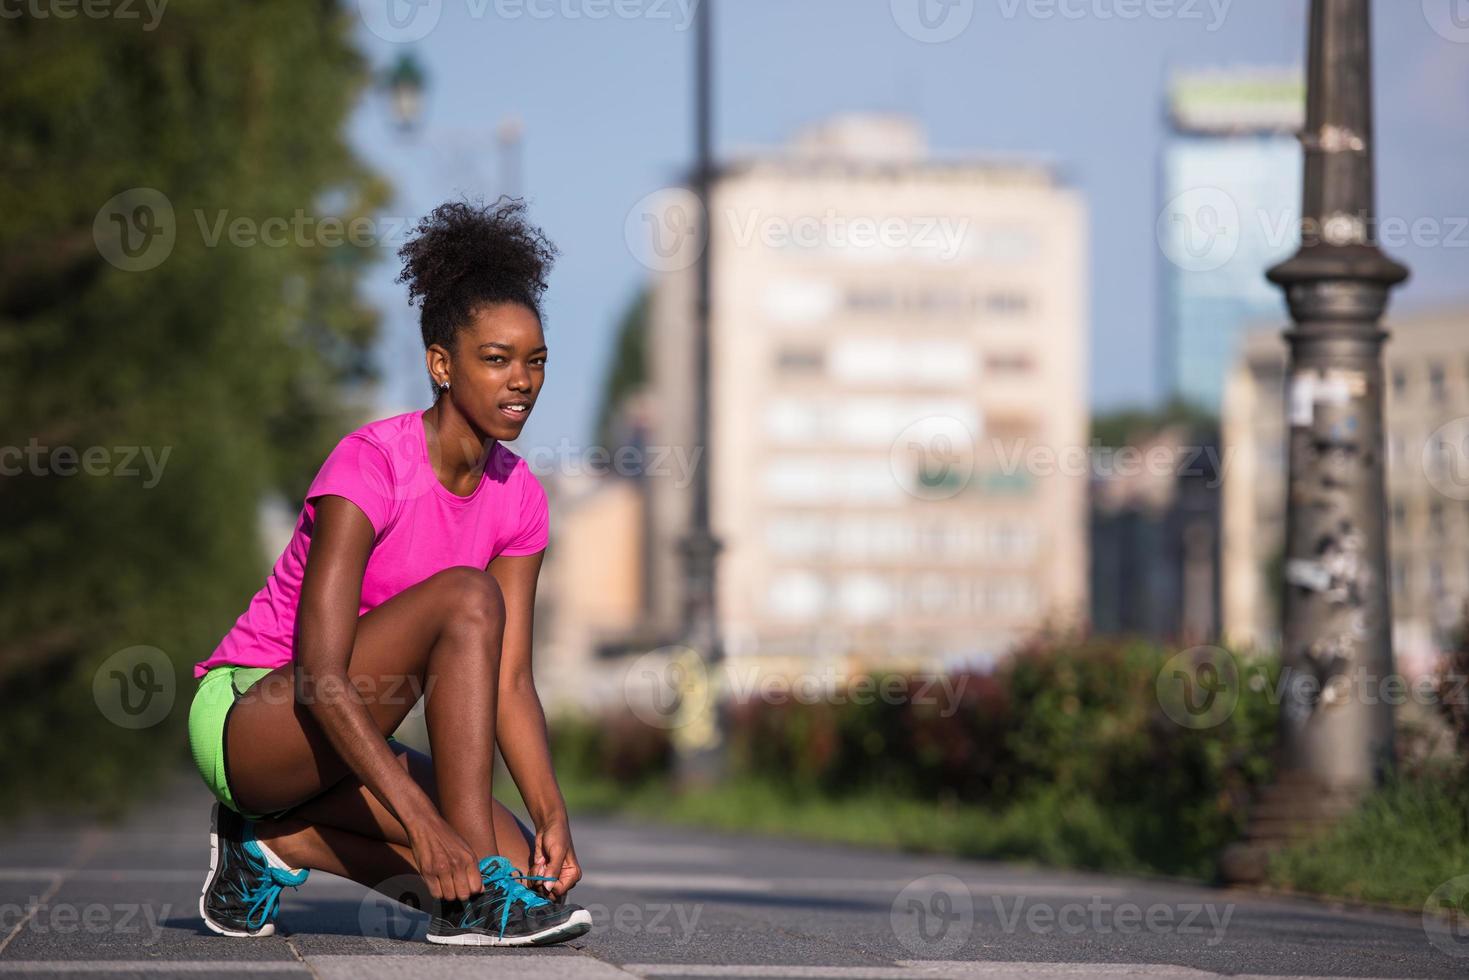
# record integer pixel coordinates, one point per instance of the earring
(443, 386)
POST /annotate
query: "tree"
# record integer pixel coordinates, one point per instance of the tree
(187, 384)
(627, 369)
(1124, 426)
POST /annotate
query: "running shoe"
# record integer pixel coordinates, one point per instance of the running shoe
(243, 889)
(507, 913)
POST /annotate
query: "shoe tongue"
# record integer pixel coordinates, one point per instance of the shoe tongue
(494, 864)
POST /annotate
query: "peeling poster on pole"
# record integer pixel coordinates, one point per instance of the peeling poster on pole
(1323, 386)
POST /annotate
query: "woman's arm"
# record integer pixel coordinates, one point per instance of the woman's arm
(520, 726)
(326, 628)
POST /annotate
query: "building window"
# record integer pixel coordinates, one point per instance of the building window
(866, 597)
(1006, 303)
(1435, 579)
(800, 360)
(797, 595)
(1011, 363)
(1397, 448)
(878, 360)
(1399, 382)
(1399, 515)
(1436, 382)
(1435, 517)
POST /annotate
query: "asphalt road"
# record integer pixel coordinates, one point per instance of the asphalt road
(88, 900)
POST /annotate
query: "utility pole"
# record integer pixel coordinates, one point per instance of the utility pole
(510, 135)
(697, 734)
(1336, 726)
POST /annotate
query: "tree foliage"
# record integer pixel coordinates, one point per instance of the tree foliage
(232, 358)
(1126, 426)
(627, 369)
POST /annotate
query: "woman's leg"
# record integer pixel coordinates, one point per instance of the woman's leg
(336, 825)
(440, 638)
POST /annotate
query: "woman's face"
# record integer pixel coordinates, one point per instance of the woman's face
(498, 369)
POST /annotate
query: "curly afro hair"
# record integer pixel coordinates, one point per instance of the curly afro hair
(464, 256)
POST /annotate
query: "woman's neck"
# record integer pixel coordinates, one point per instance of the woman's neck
(457, 451)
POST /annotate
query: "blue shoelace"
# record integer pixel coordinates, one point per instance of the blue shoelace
(499, 873)
(264, 897)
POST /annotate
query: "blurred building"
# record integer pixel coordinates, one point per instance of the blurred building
(591, 598)
(1427, 413)
(1231, 187)
(1155, 537)
(899, 396)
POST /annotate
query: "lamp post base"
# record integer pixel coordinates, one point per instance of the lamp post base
(1295, 808)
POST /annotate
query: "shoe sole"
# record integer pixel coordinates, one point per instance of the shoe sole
(266, 930)
(579, 924)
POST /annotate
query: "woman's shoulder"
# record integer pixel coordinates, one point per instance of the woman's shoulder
(380, 462)
(399, 440)
(392, 431)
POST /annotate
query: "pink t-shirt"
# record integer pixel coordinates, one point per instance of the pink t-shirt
(421, 529)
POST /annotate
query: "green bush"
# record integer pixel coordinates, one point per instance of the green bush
(617, 748)
(1089, 727)
(1064, 756)
(926, 745)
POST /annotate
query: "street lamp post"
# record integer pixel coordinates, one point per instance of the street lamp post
(404, 84)
(510, 136)
(698, 733)
(1336, 728)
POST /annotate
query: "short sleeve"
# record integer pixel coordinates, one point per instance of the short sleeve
(532, 530)
(361, 472)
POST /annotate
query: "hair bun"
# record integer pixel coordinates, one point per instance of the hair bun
(464, 256)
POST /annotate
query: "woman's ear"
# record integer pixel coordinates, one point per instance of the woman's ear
(439, 362)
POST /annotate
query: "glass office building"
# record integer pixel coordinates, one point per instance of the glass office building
(1231, 179)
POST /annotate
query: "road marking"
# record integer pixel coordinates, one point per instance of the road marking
(101, 874)
(612, 852)
(940, 970)
(637, 881)
(490, 964)
(147, 967)
(506, 965)
(737, 883)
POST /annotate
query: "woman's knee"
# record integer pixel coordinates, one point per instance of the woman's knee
(472, 599)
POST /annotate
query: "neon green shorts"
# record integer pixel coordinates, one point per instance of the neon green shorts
(219, 689)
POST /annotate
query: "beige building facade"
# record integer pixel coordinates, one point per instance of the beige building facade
(1427, 414)
(899, 414)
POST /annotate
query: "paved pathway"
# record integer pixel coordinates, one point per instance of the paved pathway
(86, 900)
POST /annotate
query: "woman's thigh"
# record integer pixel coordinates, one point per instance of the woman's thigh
(277, 756)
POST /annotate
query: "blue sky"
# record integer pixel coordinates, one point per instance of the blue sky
(603, 88)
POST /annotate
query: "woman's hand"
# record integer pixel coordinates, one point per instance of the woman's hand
(555, 857)
(445, 861)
